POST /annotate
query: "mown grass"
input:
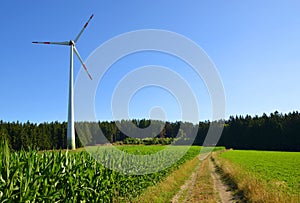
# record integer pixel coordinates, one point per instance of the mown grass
(202, 189)
(263, 176)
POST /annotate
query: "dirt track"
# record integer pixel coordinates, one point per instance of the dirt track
(205, 185)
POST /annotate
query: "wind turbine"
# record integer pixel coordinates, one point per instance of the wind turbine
(71, 43)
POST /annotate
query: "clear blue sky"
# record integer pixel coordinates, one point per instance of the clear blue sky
(255, 46)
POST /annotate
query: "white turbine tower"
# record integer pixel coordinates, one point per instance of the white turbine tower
(71, 43)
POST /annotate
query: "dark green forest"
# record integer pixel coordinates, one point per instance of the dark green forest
(267, 132)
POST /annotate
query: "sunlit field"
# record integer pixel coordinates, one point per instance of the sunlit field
(271, 176)
(63, 176)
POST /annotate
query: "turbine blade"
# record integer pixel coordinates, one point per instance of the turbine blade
(57, 43)
(85, 25)
(81, 61)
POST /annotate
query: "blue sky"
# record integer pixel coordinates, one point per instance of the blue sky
(255, 46)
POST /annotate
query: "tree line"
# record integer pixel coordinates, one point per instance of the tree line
(267, 132)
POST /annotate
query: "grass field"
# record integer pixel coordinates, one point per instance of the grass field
(61, 176)
(272, 166)
(274, 176)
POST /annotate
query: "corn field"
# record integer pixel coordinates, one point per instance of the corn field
(62, 176)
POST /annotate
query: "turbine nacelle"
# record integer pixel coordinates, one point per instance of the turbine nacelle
(71, 43)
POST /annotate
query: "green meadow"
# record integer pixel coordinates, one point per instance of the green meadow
(279, 168)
